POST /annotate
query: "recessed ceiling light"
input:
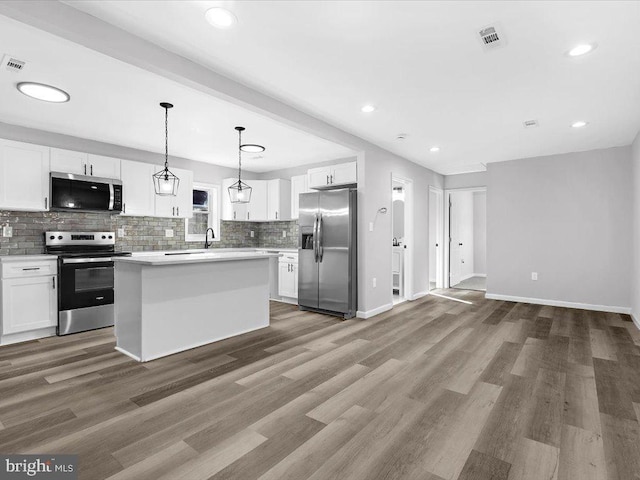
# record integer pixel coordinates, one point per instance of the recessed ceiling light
(581, 49)
(44, 92)
(368, 109)
(434, 149)
(220, 17)
(251, 148)
(579, 124)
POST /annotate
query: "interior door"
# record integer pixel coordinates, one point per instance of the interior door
(434, 243)
(334, 250)
(455, 242)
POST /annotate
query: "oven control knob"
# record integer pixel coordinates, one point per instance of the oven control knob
(52, 237)
(59, 237)
(103, 237)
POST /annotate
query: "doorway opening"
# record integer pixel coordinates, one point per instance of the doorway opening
(402, 239)
(467, 233)
(436, 238)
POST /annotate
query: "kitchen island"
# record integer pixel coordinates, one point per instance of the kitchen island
(168, 302)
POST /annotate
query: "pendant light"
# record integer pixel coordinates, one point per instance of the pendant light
(240, 192)
(165, 182)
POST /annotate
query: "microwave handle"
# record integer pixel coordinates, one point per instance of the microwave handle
(111, 196)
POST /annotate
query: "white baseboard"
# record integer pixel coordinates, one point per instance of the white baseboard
(466, 277)
(418, 295)
(483, 275)
(635, 320)
(559, 303)
(375, 311)
(12, 338)
(128, 354)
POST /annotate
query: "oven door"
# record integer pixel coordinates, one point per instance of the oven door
(85, 282)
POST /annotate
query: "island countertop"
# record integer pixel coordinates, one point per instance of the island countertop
(182, 257)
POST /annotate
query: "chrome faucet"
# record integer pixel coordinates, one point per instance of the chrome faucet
(208, 243)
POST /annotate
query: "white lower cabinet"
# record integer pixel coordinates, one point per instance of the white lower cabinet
(29, 299)
(288, 275)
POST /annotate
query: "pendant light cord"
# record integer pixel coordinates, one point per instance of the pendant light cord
(239, 159)
(166, 139)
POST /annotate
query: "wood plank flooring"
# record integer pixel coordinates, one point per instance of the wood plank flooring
(434, 389)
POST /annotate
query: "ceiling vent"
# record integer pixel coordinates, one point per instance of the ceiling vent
(492, 37)
(530, 123)
(12, 64)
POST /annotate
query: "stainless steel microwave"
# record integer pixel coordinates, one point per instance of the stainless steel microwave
(85, 193)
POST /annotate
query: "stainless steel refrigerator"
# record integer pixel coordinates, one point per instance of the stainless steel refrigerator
(327, 252)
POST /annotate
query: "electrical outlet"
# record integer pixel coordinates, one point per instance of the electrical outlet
(253, 234)
(168, 233)
(7, 231)
(375, 282)
(284, 234)
(121, 232)
(371, 226)
(534, 275)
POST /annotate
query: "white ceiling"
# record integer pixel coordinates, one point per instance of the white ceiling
(421, 64)
(117, 103)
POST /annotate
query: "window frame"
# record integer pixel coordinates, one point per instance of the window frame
(214, 213)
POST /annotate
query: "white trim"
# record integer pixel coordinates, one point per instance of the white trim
(452, 298)
(419, 295)
(128, 354)
(636, 322)
(559, 303)
(439, 234)
(18, 337)
(214, 214)
(483, 275)
(409, 229)
(375, 311)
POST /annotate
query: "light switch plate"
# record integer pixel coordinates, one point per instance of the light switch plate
(7, 231)
(534, 275)
(252, 234)
(371, 226)
(168, 233)
(284, 234)
(121, 232)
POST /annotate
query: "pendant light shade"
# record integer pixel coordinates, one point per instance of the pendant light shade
(240, 192)
(164, 181)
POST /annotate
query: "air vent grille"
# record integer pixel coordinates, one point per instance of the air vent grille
(530, 123)
(12, 64)
(491, 37)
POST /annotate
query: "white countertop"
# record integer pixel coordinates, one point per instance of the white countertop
(178, 257)
(26, 258)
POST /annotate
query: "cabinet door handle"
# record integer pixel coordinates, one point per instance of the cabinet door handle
(234, 215)
(276, 215)
(124, 208)
(248, 215)
(173, 211)
(30, 268)
(53, 282)
(91, 169)
(178, 211)
(327, 179)
(85, 168)
(99, 298)
(46, 203)
(331, 179)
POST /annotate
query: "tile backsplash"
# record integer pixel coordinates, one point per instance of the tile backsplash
(141, 233)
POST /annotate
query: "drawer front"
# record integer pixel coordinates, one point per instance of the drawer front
(25, 269)
(289, 258)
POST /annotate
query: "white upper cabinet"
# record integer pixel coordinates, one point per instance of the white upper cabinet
(299, 184)
(106, 167)
(138, 195)
(278, 199)
(24, 176)
(333, 175)
(80, 163)
(180, 205)
(257, 207)
(68, 161)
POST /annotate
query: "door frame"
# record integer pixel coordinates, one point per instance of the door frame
(447, 232)
(407, 184)
(439, 192)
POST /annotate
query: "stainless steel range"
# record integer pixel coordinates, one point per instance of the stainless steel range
(85, 279)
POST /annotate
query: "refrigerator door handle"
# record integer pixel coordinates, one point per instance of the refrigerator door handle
(315, 238)
(320, 240)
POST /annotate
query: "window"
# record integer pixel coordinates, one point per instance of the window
(206, 213)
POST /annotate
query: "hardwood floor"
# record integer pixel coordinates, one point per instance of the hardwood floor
(434, 389)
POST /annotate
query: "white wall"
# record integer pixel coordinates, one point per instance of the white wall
(566, 217)
(375, 170)
(480, 233)
(465, 180)
(635, 284)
